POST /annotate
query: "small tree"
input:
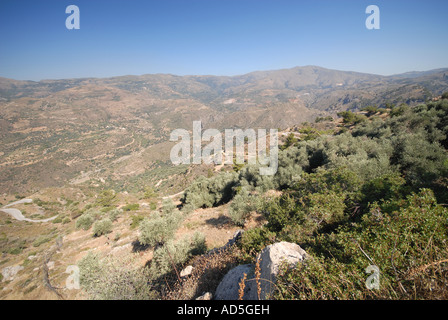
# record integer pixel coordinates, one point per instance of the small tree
(351, 118)
(445, 95)
(85, 221)
(158, 228)
(290, 141)
(113, 278)
(102, 227)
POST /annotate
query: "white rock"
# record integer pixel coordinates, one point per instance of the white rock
(229, 287)
(186, 271)
(9, 273)
(271, 258)
(205, 296)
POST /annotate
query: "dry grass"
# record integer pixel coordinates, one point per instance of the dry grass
(207, 274)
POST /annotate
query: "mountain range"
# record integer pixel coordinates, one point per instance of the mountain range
(114, 131)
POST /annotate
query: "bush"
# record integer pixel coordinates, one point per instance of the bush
(407, 244)
(102, 227)
(131, 207)
(210, 192)
(177, 253)
(114, 214)
(106, 198)
(290, 141)
(242, 205)
(135, 221)
(281, 211)
(256, 239)
(350, 118)
(114, 278)
(85, 221)
(158, 228)
(387, 187)
(41, 240)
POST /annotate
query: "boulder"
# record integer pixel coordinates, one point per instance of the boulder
(228, 289)
(9, 273)
(270, 260)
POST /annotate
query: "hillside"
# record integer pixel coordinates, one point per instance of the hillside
(85, 180)
(337, 180)
(103, 132)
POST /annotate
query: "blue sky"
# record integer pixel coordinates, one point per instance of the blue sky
(219, 37)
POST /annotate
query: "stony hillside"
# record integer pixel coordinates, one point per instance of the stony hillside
(110, 133)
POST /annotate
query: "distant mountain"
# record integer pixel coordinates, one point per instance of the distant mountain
(116, 129)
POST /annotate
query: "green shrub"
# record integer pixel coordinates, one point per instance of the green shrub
(102, 227)
(106, 198)
(113, 278)
(407, 244)
(175, 253)
(242, 205)
(57, 220)
(210, 192)
(350, 118)
(159, 228)
(41, 240)
(136, 220)
(384, 188)
(256, 239)
(281, 211)
(66, 220)
(85, 221)
(114, 214)
(131, 207)
(290, 141)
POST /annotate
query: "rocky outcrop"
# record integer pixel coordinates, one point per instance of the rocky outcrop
(9, 273)
(229, 287)
(270, 260)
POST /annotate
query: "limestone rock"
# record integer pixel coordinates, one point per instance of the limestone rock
(186, 271)
(9, 273)
(271, 258)
(229, 287)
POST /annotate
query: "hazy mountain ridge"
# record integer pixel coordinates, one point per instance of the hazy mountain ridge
(116, 129)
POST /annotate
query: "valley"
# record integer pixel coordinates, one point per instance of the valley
(84, 161)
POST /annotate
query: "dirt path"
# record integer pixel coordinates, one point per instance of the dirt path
(17, 214)
(173, 195)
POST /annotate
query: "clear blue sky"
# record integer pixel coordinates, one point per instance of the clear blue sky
(219, 37)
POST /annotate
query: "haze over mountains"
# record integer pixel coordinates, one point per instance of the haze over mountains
(113, 130)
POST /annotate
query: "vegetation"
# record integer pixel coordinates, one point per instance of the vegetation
(371, 195)
(159, 228)
(175, 253)
(131, 207)
(85, 221)
(114, 278)
(351, 118)
(102, 227)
